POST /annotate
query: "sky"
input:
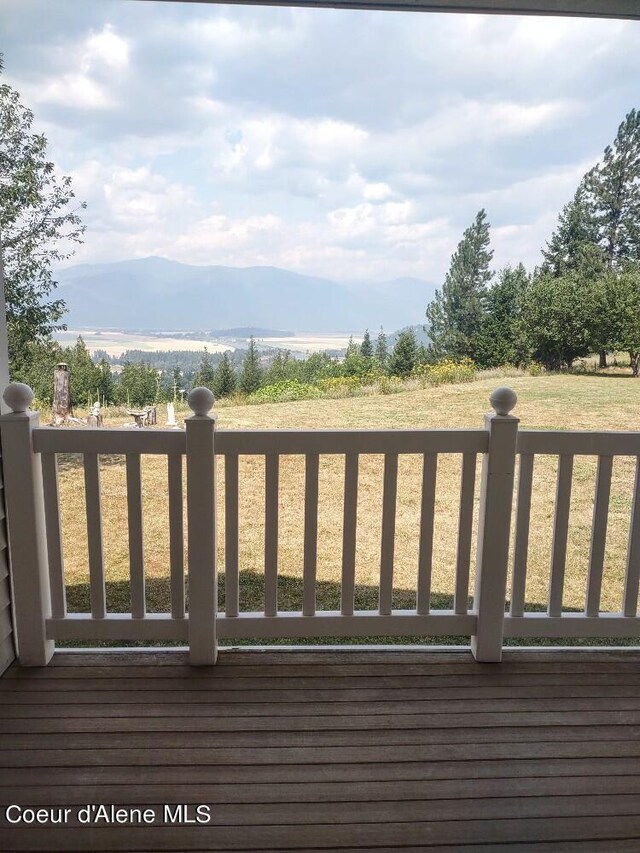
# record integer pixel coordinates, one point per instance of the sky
(346, 144)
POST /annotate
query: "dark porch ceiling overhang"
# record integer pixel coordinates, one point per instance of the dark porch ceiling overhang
(578, 8)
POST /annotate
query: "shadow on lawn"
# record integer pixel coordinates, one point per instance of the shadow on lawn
(290, 599)
(74, 461)
(601, 374)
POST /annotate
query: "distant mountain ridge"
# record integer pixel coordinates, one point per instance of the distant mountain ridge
(155, 293)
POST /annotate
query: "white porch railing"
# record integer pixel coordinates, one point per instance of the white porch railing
(32, 496)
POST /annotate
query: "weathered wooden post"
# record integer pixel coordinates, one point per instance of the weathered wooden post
(26, 527)
(61, 410)
(494, 526)
(201, 519)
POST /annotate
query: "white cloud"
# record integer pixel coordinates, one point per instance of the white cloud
(377, 192)
(107, 48)
(86, 77)
(72, 90)
(223, 36)
(224, 135)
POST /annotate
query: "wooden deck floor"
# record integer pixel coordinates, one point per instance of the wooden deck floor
(306, 751)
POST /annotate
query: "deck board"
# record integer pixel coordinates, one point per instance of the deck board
(329, 750)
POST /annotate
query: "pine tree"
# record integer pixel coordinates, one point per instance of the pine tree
(422, 355)
(84, 376)
(353, 364)
(251, 374)
(319, 365)
(366, 347)
(382, 353)
(613, 188)
(105, 383)
(205, 374)
(577, 228)
(501, 340)
(455, 315)
(279, 367)
(225, 380)
(137, 384)
(404, 355)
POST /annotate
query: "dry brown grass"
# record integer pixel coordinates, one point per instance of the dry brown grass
(551, 402)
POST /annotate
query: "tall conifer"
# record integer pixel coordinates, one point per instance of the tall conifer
(251, 374)
(455, 315)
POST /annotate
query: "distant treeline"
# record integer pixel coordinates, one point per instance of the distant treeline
(239, 373)
(187, 361)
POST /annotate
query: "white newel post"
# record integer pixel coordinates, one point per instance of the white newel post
(494, 526)
(26, 527)
(201, 519)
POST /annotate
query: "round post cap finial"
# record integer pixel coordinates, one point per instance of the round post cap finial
(503, 400)
(201, 401)
(18, 397)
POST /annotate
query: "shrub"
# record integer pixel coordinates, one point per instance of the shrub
(446, 372)
(284, 392)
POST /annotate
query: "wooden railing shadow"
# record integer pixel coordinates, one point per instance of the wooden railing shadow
(290, 593)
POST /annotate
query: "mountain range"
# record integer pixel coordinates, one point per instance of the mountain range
(156, 294)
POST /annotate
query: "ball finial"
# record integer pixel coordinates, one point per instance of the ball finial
(18, 397)
(200, 401)
(503, 400)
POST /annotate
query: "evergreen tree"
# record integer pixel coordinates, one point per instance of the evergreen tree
(84, 376)
(205, 374)
(501, 340)
(456, 313)
(279, 368)
(137, 384)
(251, 374)
(403, 357)
(225, 380)
(319, 365)
(576, 229)
(613, 188)
(366, 347)
(382, 353)
(422, 355)
(105, 387)
(354, 364)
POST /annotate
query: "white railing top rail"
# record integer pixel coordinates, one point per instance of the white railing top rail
(253, 442)
(108, 441)
(578, 443)
(262, 442)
